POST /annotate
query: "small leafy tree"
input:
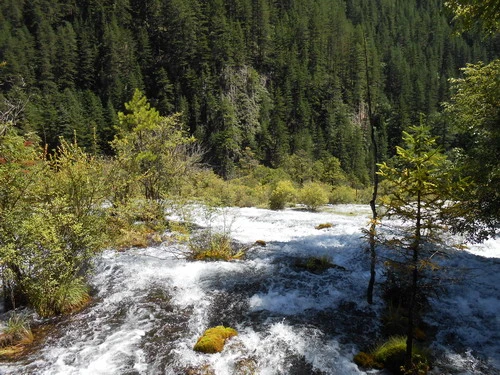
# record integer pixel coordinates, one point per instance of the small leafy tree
(151, 148)
(474, 111)
(421, 182)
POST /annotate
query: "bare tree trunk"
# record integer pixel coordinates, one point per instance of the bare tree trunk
(373, 225)
(414, 286)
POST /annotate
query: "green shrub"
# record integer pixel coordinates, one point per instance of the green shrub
(249, 196)
(313, 195)
(213, 339)
(395, 320)
(284, 193)
(342, 194)
(71, 295)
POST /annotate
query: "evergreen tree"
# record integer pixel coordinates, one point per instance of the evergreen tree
(421, 183)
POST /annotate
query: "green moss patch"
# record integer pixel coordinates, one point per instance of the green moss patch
(213, 339)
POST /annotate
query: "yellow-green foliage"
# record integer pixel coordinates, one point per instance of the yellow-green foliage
(284, 193)
(180, 230)
(53, 216)
(213, 339)
(212, 246)
(213, 190)
(313, 195)
(323, 226)
(391, 354)
(342, 194)
(249, 196)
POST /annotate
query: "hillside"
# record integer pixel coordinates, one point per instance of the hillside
(280, 78)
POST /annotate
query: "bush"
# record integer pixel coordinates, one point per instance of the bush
(213, 339)
(313, 195)
(53, 218)
(342, 194)
(249, 196)
(284, 193)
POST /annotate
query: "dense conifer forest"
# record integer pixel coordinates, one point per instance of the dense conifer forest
(263, 78)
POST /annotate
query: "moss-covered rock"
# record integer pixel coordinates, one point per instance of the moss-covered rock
(213, 339)
(317, 264)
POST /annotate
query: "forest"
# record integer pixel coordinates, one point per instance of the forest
(114, 112)
(280, 78)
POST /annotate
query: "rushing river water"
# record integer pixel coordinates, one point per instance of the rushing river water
(150, 306)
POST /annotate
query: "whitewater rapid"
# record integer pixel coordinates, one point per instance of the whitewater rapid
(150, 306)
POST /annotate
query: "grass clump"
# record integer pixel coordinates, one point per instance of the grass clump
(213, 246)
(391, 354)
(15, 336)
(366, 360)
(213, 339)
(64, 297)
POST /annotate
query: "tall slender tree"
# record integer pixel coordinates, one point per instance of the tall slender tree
(421, 181)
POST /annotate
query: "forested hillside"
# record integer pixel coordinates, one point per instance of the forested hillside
(274, 77)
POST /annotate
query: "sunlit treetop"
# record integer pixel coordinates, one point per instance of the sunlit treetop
(483, 15)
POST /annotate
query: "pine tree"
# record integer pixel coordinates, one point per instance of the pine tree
(421, 182)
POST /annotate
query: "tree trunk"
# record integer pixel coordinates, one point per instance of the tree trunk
(373, 225)
(414, 285)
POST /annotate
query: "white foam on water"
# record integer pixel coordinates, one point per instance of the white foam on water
(112, 335)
